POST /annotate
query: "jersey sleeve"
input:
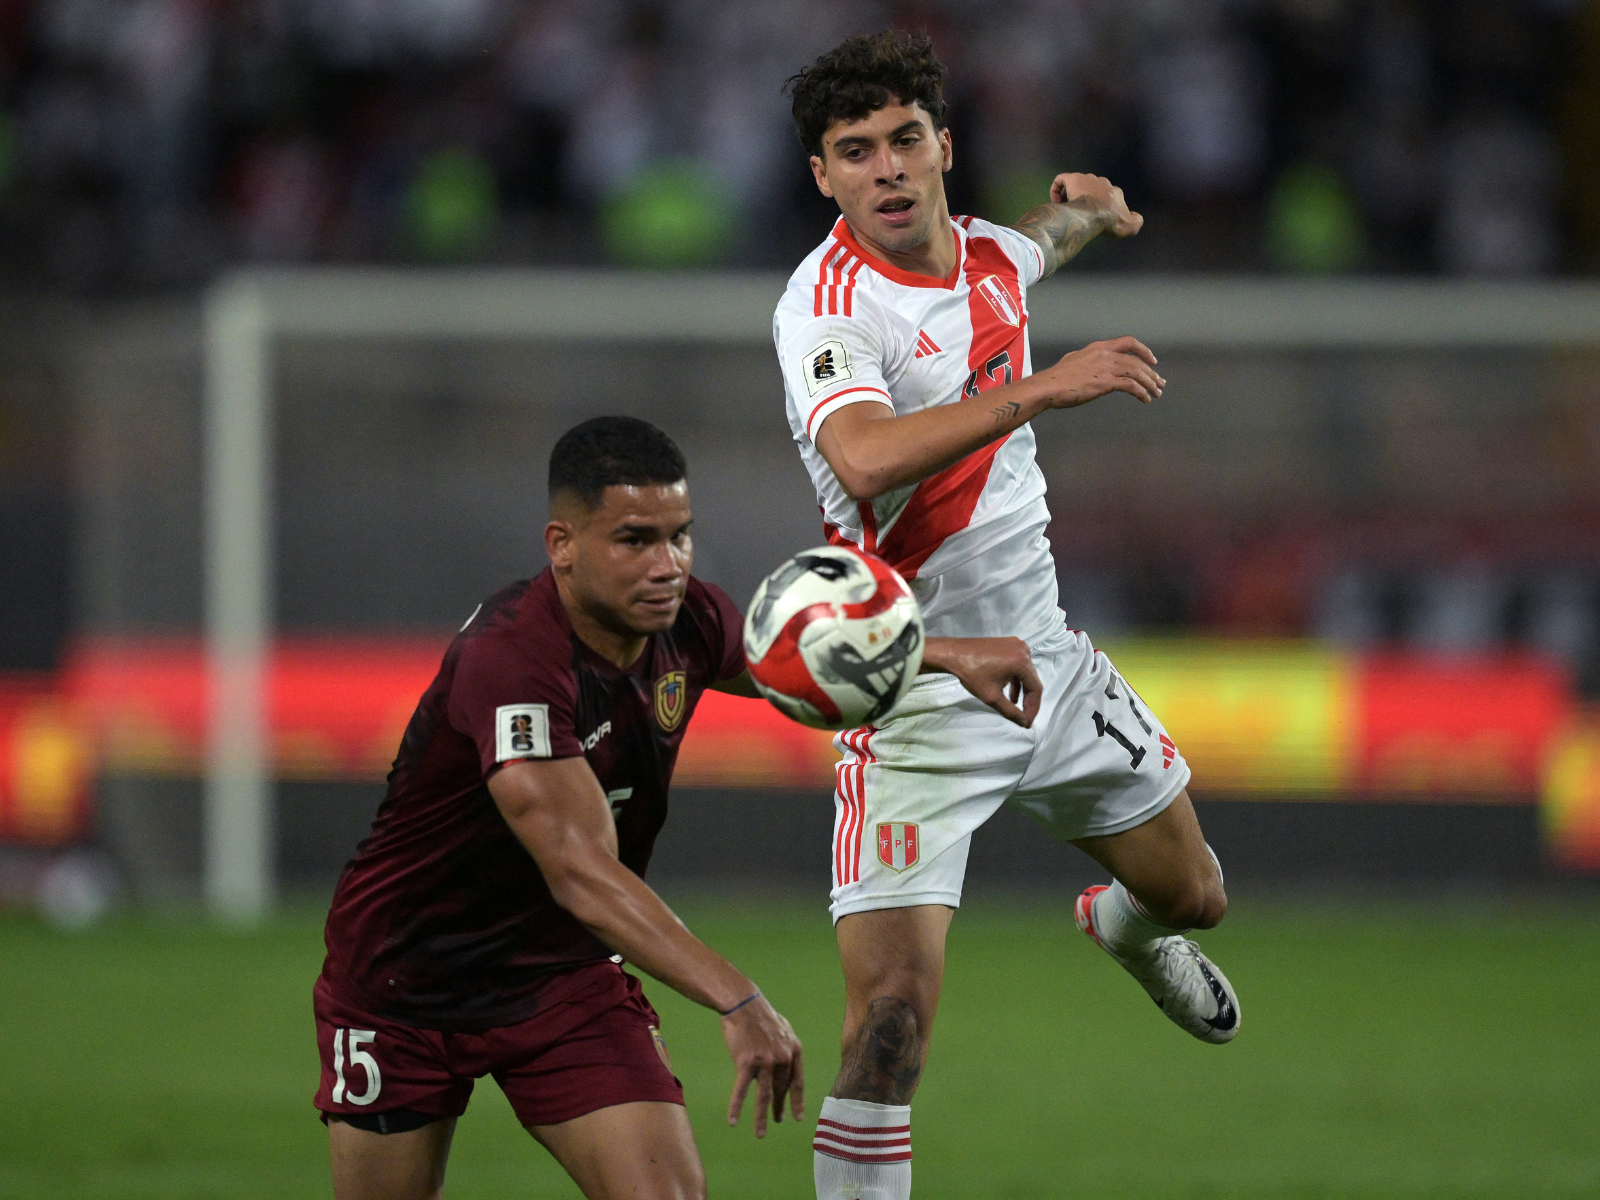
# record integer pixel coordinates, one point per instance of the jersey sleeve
(724, 628)
(831, 362)
(1024, 251)
(513, 705)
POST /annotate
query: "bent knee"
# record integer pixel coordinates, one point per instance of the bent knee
(890, 1032)
(888, 1043)
(1200, 904)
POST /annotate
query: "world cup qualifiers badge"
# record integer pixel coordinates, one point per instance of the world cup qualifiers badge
(672, 695)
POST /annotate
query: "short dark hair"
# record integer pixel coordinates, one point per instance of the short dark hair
(607, 451)
(863, 74)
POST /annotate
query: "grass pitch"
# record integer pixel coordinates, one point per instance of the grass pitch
(1388, 1050)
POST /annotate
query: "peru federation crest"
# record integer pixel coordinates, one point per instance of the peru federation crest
(672, 700)
(1000, 299)
(897, 846)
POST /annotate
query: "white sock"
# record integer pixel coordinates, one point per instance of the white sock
(862, 1151)
(1123, 925)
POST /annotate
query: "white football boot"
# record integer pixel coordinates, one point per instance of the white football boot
(1184, 983)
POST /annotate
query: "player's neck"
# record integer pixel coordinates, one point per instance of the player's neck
(621, 648)
(935, 257)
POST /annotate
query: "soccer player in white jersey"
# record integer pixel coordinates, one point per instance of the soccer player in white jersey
(904, 347)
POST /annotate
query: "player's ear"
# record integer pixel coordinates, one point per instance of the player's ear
(819, 172)
(944, 144)
(559, 543)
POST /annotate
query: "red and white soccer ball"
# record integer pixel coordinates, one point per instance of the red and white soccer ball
(834, 638)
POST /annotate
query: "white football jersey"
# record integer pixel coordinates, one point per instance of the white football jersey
(851, 329)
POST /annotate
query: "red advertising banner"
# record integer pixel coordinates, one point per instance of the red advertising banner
(1265, 719)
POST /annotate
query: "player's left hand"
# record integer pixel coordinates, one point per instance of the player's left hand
(998, 671)
(765, 1052)
(1105, 195)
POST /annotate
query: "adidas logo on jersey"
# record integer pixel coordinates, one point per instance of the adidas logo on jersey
(925, 345)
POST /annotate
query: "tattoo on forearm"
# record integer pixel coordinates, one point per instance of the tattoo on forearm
(1006, 412)
(1061, 230)
(884, 1062)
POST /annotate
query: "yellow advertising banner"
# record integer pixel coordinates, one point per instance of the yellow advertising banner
(1249, 716)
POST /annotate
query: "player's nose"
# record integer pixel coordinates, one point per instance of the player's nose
(667, 562)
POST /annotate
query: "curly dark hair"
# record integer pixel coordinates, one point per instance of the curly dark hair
(862, 75)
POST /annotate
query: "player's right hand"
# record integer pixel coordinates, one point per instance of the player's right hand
(765, 1052)
(1123, 364)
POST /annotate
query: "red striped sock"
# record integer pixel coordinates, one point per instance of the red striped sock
(862, 1151)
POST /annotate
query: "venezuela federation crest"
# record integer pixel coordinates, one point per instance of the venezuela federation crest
(672, 700)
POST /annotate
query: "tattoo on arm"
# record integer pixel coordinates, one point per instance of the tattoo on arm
(1006, 412)
(1061, 230)
(884, 1062)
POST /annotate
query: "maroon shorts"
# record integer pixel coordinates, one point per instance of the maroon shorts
(594, 1043)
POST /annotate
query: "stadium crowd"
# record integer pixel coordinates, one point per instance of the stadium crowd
(146, 142)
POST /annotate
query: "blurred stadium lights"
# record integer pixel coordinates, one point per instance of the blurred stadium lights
(246, 313)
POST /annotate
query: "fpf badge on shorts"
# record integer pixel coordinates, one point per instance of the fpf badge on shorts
(897, 845)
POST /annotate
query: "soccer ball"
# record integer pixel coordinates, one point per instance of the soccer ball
(834, 638)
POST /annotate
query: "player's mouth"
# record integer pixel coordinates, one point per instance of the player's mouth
(897, 210)
(660, 605)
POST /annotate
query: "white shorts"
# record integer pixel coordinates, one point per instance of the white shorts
(912, 790)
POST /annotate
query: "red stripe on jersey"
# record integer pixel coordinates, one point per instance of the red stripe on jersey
(823, 404)
(836, 251)
(839, 263)
(850, 286)
(964, 222)
(943, 504)
(869, 527)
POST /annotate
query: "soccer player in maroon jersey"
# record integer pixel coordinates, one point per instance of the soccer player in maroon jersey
(480, 927)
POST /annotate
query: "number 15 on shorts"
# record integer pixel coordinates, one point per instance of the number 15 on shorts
(352, 1040)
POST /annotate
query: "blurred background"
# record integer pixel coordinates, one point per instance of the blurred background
(1422, 520)
(147, 143)
(1357, 573)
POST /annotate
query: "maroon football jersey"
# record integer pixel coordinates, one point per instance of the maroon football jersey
(442, 919)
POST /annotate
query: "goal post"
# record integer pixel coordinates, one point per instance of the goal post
(246, 315)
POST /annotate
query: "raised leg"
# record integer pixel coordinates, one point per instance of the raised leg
(1166, 866)
(1167, 882)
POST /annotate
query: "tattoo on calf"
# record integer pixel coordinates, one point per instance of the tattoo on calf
(884, 1061)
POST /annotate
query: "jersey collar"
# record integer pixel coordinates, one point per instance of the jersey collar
(889, 271)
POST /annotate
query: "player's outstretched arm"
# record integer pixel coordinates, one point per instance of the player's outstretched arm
(559, 813)
(872, 451)
(998, 671)
(1081, 208)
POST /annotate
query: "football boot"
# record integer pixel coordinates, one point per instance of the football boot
(1184, 983)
